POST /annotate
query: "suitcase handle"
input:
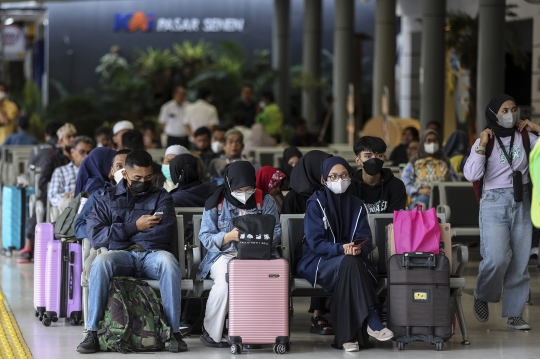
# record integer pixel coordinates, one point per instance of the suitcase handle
(419, 259)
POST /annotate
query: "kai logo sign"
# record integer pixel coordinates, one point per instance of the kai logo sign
(134, 21)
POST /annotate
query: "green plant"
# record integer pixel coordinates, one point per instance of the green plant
(151, 62)
(191, 59)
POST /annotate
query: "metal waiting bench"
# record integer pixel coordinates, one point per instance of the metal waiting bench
(458, 202)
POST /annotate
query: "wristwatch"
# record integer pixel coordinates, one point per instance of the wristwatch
(479, 148)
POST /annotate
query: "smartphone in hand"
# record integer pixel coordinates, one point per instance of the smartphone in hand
(360, 242)
(158, 214)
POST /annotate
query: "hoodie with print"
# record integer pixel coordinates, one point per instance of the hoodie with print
(386, 196)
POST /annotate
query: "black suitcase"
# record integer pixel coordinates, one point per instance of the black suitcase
(419, 298)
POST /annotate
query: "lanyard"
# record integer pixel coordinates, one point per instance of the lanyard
(508, 158)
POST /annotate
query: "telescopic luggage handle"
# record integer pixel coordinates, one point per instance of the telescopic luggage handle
(419, 259)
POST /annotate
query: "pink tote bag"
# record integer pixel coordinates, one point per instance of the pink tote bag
(416, 231)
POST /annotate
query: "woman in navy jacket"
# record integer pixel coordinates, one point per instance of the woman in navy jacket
(333, 222)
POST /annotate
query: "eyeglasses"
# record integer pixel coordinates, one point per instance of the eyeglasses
(344, 176)
(249, 191)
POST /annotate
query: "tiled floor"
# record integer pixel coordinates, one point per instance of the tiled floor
(491, 340)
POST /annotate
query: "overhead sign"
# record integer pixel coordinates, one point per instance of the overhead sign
(140, 21)
(15, 43)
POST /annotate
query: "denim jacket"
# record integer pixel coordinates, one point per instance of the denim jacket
(214, 228)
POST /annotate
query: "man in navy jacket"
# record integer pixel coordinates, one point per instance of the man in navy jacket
(136, 222)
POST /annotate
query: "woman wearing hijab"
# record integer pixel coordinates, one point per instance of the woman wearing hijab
(271, 180)
(335, 256)
(430, 166)
(234, 198)
(306, 180)
(189, 190)
(505, 220)
(94, 171)
(290, 157)
(456, 148)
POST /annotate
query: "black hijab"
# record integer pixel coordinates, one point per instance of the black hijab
(306, 175)
(491, 115)
(339, 207)
(184, 170)
(287, 155)
(237, 175)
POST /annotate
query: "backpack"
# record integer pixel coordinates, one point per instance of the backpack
(134, 319)
(63, 227)
(430, 170)
(479, 185)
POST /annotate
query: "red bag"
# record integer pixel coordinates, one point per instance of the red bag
(417, 231)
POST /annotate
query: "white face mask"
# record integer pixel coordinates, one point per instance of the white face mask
(243, 196)
(118, 177)
(339, 186)
(431, 148)
(262, 105)
(508, 120)
(216, 146)
(2, 95)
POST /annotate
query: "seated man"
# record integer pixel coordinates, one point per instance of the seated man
(21, 137)
(218, 139)
(202, 146)
(126, 220)
(232, 152)
(41, 153)
(62, 187)
(373, 184)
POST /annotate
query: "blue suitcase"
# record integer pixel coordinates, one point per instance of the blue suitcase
(14, 217)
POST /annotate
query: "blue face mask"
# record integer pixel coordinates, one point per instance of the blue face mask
(166, 170)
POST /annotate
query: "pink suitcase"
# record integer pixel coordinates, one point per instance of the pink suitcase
(44, 234)
(63, 291)
(259, 293)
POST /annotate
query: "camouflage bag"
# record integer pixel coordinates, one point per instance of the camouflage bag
(134, 319)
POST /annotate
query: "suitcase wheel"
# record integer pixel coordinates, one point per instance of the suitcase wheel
(73, 321)
(36, 314)
(280, 348)
(54, 319)
(8, 253)
(46, 322)
(236, 349)
(438, 346)
(400, 345)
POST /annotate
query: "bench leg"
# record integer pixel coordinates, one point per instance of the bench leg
(458, 309)
(85, 305)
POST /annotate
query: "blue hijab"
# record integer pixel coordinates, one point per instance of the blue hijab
(94, 170)
(339, 207)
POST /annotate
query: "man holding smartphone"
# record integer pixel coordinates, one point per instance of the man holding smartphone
(136, 222)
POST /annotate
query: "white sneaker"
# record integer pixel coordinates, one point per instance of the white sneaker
(351, 347)
(382, 335)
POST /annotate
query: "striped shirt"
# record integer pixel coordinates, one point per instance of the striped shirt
(62, 182)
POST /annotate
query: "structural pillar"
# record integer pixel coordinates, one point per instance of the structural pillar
(280, 53)
(384, 60)
(490, 80)
(432, 74)
(311, 61)
(343, 63)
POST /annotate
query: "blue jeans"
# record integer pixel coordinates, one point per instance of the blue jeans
(158, 265)
(505, 246)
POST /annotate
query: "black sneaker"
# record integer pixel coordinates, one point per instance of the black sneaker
(179, 346)
(90, 344)
(517, 323)
(207, 340)
(480, 310)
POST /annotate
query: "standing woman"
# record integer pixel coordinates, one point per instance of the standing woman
(505, 219)
(335, 219)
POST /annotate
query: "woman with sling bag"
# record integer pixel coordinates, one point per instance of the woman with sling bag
(499, 162)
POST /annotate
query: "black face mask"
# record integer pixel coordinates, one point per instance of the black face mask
(140, 186)
(373, 166)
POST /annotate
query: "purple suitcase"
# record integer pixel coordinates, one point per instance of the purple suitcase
(254, 287)
(63, 291)
(44, 234)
